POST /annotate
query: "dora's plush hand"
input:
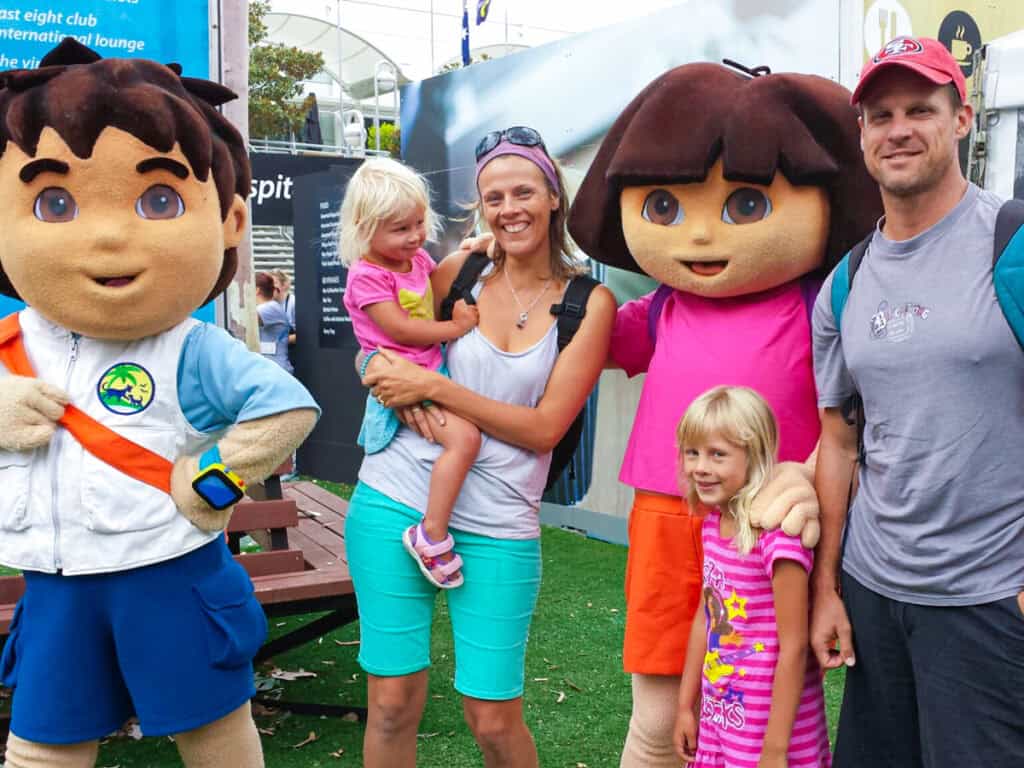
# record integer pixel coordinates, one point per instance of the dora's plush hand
(789, 501)
(29, 410)
(189, 503)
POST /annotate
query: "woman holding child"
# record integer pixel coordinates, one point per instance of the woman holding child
(508, 379)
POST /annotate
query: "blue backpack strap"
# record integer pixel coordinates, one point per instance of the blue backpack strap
(842, 280)
(654, 311)
(1008, 265)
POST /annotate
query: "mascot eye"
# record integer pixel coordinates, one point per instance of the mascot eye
(160, 202)
(55, 205)
(662, 207)
(745, 206)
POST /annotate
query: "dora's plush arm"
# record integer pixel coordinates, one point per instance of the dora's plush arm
(252, 450)
(789, 501)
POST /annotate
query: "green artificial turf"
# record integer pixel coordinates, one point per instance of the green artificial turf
(577, 698)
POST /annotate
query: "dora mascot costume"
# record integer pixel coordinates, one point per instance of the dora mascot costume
(127, 428)
(738, 191)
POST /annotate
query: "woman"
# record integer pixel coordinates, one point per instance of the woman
(274, 324)
(508, 378)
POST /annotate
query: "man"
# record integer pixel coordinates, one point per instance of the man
(930, 621)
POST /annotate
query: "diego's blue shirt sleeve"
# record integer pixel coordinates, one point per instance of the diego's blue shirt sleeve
(220, 382)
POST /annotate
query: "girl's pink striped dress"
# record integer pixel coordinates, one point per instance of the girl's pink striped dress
(742, 651)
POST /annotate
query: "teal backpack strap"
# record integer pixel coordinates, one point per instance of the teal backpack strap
(1008, 265)
(842, 280)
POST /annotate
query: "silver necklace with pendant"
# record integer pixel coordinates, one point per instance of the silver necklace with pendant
(524, 312)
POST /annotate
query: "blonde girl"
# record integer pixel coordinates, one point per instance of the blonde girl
(750, 693)
(385, 220)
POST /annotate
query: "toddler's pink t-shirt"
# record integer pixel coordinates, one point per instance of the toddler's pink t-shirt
(762, 341)
(371, 284)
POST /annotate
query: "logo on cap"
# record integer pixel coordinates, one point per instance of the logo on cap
(901, 46)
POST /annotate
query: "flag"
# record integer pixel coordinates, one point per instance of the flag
(465, 34)
(483, 7)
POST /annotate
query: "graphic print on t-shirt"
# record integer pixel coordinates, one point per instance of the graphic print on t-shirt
(895, 322)
(419, 307)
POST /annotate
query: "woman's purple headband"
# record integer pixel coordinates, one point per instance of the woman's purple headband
(535, 155)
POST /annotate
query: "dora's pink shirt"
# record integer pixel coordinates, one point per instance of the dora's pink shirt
(762, 341)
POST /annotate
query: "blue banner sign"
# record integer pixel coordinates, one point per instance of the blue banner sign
(164, 31)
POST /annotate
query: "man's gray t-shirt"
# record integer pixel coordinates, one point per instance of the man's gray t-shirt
(939, 517)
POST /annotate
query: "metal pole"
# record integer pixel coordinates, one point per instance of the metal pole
(432, 71)
(376, 104)
(341, 80)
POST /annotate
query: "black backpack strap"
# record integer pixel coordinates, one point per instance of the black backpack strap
(462, 286)
(1009, 219)
(573, 308)
(857, 256)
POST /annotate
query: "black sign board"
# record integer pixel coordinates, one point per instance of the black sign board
(273, 182)
(325, 348)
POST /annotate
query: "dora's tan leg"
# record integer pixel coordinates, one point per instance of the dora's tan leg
(32, 754)
(649, 741)
(231, 742)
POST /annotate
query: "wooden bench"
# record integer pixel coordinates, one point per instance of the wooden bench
(301, 569)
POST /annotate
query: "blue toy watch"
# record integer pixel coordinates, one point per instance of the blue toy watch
(217, 485)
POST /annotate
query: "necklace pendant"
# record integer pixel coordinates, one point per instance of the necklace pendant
(521, 322)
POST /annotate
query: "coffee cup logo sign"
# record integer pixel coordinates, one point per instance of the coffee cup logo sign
(960, 34)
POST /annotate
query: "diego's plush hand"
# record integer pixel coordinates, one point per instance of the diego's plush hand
(481, 243)
(788, 500)
(189, 503)
(29, 410)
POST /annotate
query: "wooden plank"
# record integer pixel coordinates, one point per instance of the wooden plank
(307, 503)
(303, 586)
(255, 515)
(6, 614)
(316, 555)
(11, 589)
(322, 535)
(322, 495)
(270, 563)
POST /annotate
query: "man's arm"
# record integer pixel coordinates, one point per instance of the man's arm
(833, 478)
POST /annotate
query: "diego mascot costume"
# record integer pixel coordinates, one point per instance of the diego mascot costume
(127, 428)
(738, 191)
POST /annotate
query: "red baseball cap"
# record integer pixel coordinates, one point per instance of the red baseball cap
(923, 55)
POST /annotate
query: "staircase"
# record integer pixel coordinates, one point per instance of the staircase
(272, 249)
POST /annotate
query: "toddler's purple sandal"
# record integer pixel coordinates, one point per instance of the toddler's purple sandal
(444, 575)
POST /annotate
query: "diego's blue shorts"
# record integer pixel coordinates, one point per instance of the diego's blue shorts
(171, 642)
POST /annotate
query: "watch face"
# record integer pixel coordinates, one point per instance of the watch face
(217, 490)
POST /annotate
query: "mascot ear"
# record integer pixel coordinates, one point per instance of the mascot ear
(70, 51)
(212, 93)
(175, 68)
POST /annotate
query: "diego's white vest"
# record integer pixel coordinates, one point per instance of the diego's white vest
(61, 508)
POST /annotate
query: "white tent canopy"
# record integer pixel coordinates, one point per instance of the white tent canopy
(359, 59)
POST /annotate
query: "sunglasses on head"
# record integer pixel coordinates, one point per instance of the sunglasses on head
(517, 134)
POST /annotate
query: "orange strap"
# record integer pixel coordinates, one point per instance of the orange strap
(102, 442)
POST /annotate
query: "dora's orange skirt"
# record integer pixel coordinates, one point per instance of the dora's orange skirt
(663, 582)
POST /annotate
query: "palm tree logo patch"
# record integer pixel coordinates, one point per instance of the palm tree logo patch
(125, 389)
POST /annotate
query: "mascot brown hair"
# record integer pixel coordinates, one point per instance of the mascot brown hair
(128, 430)
(737, 191)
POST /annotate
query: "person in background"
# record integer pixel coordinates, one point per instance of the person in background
(285, 297)
(274, 325)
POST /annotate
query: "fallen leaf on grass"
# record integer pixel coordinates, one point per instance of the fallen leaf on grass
(266, 731)
(561, 696)
(572, 685)
(308, 740)
(283, 674)
(340, 751)
(346, 642)
(427, 735)
(540, 679)
(329, 663)
(581, 765)
(350, 717)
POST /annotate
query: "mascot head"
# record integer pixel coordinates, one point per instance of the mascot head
(722, 184)
(122, 192)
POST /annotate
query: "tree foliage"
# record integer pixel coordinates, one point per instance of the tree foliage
(276, 73)
(390, 139)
